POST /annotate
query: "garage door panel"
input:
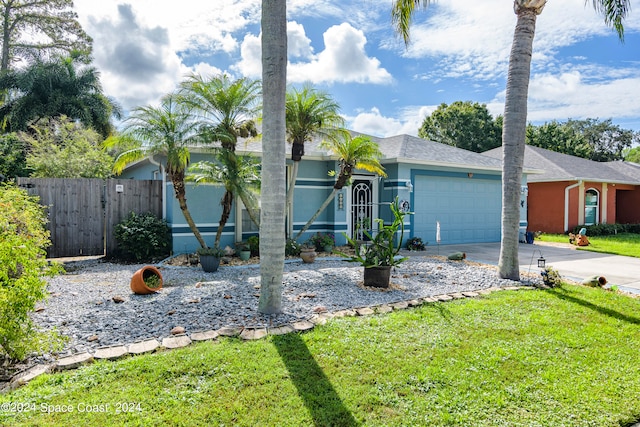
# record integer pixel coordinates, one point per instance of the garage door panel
(468, 209)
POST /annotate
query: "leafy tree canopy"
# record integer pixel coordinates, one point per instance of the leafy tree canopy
(467, 125)
(591, 139)
(33, 30)
(60, 148)
(56, 88)
(632, 154)
(13, 160)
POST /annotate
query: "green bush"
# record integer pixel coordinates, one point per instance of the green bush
(292, 248)
(143, 237)
(23, 263)
(254, 245)
(608, 229)
(551, 277)
(416, 244)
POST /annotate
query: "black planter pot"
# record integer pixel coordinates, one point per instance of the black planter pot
(209, 263)
(377, 277)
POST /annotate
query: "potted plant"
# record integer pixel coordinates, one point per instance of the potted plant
(324, 241)
(380, 252)
(243, 250)
(146, 280)
(210, 258)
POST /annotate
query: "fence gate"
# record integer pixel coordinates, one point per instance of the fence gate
(83, 212)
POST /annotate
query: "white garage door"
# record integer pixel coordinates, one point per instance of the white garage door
(468, 209)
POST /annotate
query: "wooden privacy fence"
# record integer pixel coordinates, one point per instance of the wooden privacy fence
(83, 212)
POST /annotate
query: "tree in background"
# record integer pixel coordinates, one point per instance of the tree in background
(53, 89)
(467, 125)
(632, 155)
(515, 110)
(168, 131)
(34, 30)
(60, 148)
(239, 175)
(606, 140)
(309, 113)
(353, 153)
(13, 157)
(556, 136)
(591, 139)
(272, 212)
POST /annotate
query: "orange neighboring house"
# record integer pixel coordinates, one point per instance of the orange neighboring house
(573, 191)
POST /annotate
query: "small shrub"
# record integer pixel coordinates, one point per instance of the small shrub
(551, 277)
(292, 248)
(143, 237)
(254, 245)
(23, 239)
(608, 229)
(320, 240)
(416, 244)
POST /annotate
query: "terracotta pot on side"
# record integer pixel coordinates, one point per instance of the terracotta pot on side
(138, 285)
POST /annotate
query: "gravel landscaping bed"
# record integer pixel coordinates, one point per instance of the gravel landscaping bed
(81, 303)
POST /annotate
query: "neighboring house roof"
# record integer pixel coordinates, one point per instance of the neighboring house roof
(564, 167)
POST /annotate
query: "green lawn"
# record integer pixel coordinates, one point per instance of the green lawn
(561, 357)
(619, 244)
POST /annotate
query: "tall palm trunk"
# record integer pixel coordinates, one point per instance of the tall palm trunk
(513, 139)
(177, 179)
(272, 216)
(343, 178)
(227, 204)
(292, 186)
(253, 215)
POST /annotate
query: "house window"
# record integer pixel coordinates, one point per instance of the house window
(591, 207)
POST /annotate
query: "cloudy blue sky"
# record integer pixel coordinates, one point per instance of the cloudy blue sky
(459, 51)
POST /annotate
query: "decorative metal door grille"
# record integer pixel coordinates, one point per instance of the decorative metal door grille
(361, 208)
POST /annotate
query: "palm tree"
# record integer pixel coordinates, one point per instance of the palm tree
(515, 115)
(226, 110)
(354, 153)
(272, 213)
(224, 106)
(238, 174)
(309, 114)
(168, 131)
(54, 89)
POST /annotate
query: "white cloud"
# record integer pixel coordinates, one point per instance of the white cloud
(251, 63)
(136, 62)
(473, 39)
(372, 122)
(344, 59)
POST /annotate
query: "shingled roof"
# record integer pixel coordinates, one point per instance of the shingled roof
(563, 167)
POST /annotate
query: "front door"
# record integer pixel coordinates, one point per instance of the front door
(364, 206)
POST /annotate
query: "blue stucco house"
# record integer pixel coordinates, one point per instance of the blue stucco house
(459, 189)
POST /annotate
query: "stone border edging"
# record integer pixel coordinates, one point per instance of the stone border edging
(183, 340)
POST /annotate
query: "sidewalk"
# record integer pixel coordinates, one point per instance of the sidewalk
(571, 263)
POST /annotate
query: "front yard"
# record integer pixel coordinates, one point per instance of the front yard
(559, 357)
(626, 244)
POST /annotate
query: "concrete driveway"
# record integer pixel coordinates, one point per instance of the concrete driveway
(573, 264)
